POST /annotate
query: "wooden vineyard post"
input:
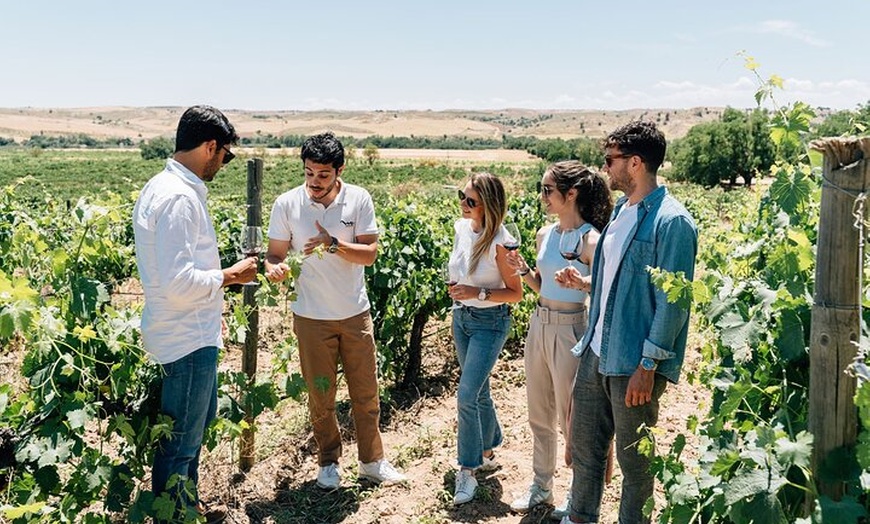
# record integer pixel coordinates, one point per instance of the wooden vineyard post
(835, 326)
(251, 245)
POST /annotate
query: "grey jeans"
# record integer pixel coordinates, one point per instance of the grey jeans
(599, 413)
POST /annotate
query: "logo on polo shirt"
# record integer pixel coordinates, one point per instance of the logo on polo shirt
(346, 223)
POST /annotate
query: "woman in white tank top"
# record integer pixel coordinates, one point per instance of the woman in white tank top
(581, 200)
(481, 323)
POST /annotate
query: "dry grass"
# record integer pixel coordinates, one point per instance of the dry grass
(147, 122)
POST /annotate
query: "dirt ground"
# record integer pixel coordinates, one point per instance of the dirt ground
(419, 435)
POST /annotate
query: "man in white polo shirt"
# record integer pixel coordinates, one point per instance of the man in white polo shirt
(331, 317)
(179, 265)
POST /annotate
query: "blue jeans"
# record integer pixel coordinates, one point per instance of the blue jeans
(479, 335)
(189, 396)
(599, 413)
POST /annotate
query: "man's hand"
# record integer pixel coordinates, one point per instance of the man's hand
(640, 387)
(278, 272)
(241, 272)
(323, 238)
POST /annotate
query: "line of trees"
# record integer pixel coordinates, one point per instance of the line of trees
(383, 142)
(78, 140)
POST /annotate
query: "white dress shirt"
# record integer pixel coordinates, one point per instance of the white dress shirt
(179, 265)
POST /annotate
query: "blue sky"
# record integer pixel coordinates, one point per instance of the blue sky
(444, 54)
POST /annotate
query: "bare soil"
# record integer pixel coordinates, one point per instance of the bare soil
(419, 432)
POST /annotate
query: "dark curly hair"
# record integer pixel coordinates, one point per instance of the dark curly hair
(324, 148)
(642, 139)
(594, 201)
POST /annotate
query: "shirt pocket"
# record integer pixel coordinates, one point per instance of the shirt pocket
(347, 226)
(638, 256)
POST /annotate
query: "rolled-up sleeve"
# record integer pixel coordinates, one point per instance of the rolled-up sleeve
(676, 247)
(180, 279)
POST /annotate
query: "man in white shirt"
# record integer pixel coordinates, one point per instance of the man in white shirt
(179, 265)
(331, 317)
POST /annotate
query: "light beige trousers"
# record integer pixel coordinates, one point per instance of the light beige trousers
(550, 370)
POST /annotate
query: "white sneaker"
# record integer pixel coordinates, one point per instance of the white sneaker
(532, 497)
(329, 477)
(489, 463)
(563, 509)
(567, 520)
(381, 472)
(466, 485)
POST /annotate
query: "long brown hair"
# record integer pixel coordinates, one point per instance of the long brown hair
(594, 201)
(494, 202)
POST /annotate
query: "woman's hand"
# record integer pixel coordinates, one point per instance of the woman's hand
(571, 278)
(463, 292)
(568, 277)
(517, 262)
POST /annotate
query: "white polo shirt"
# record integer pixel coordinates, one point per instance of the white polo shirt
(328, 288)
(179, 265)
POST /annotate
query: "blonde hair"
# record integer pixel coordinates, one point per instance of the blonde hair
(494, 202)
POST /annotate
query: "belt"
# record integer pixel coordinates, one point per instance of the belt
(548, 316)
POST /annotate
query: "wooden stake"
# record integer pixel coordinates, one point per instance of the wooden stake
(835, 327)
(249, 353)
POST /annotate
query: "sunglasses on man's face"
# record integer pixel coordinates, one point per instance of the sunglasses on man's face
(608, 159)
(228, 155)
(545, 190)
(470, 202)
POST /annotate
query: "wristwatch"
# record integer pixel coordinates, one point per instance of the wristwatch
(649, 364)
(484, 294)
(333, 246)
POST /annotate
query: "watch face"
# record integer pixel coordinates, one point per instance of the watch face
(648, 364)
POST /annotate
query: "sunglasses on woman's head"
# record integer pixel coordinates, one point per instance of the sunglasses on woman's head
(470, 202)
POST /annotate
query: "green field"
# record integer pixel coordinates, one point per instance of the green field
(70, 174)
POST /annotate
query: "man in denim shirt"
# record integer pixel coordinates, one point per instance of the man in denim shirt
(636, 340)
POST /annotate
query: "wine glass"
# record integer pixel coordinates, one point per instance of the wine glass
(569, 245)
(251, 241)
(251, 245)
(451, 272)
(512, 242)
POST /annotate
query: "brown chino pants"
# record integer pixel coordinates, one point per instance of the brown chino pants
(322, 344)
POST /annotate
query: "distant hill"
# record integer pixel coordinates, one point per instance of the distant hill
(139, 123)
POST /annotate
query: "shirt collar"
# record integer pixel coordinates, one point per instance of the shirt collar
(648, 202)
(178, 169)
(340, 198)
